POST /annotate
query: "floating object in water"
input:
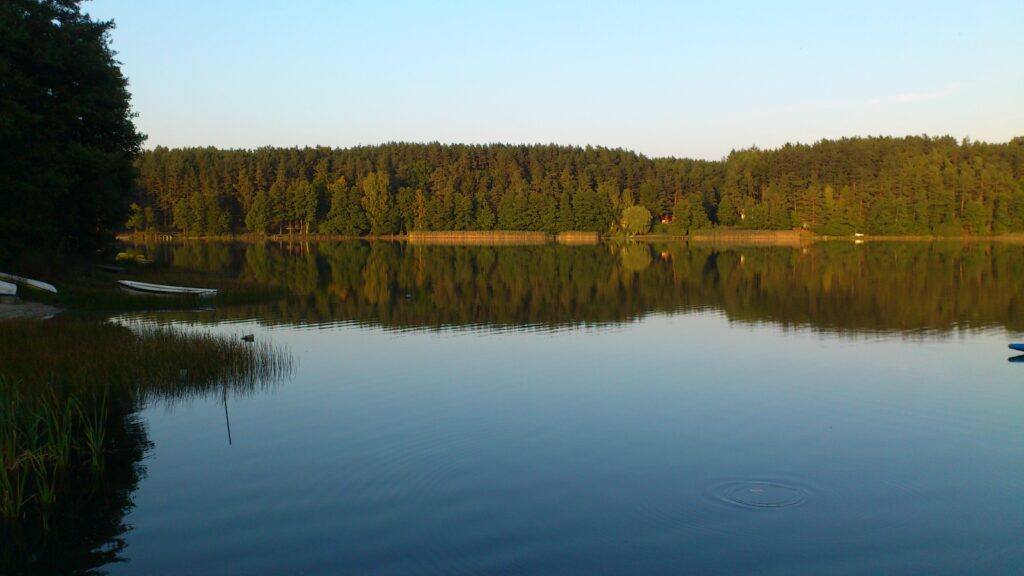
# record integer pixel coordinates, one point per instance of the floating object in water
(248, 337)
(1017, 347)
(28, 282)
(128, 256)
(1016, 359)
(8, 289)
(165, 289)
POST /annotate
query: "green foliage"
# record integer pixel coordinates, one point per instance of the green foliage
(726, 212)
(650, 197)
(258, 218)
(136, 218)
(636, 220)
(377, 202)
(66, 136)
(915, 185)
(346, 216)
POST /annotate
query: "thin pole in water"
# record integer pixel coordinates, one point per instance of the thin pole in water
(226, 419)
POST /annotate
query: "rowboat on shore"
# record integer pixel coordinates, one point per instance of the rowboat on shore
(8, 289)
(37, 284)
(165, 289)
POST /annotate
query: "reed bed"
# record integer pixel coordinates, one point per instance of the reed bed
(578, 237)
(65, 383)
(480, 237)
(145, 359)
(45, 440)
(749, 237)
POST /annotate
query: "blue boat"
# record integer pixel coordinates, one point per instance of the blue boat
(1017, 347)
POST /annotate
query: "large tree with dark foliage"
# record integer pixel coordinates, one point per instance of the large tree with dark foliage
(67, 139)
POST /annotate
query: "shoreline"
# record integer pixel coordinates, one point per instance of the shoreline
(15, 308)
(512, 237)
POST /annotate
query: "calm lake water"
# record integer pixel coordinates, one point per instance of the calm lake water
(609, 409)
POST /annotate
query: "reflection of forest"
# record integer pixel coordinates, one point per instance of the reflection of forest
(837, 286)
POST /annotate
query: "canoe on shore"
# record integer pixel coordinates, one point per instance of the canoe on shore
(8, 289)
(165, 289)
(28, 282)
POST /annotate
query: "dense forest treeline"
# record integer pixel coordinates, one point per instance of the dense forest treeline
(912, 185)
(67, 140)
(831, 286)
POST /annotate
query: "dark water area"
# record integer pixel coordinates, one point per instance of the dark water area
(619, 408)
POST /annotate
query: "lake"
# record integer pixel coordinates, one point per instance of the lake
(632, 408)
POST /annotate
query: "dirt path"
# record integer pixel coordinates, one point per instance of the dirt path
(12, 308)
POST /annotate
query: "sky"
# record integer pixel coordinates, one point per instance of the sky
(683, 79)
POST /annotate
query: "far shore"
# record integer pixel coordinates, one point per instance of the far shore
(512, 237)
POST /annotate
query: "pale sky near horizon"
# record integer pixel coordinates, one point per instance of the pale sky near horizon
(661, 78)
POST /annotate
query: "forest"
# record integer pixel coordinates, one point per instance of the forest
(915, 185)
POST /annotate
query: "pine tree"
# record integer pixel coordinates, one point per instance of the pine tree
(257, 219)
(484, 214)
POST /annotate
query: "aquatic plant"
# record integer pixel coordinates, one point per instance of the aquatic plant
(67, 385)
(43, 436)
(87, 356)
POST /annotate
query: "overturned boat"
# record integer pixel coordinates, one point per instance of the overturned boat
(165, 289)
(37, 284)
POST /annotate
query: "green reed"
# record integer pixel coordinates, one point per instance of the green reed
(61, 380)
(144, 359)
(41, 438)
(94, 430)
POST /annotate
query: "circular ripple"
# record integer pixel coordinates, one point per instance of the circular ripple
(760, 494)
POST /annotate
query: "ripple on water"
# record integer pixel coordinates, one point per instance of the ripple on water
(760, 494)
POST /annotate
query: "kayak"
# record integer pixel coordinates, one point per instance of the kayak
(165, 289)
(1017, 347)
(28, 282)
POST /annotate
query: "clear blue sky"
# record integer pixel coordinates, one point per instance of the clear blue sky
(661, 78)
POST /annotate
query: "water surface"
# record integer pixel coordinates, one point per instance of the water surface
(610, 409)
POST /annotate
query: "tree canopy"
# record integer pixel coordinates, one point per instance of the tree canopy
(67, 139)
(912, 185)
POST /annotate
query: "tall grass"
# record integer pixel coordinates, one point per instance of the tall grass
(144, 359)
(42, 439)
(479, 237)
(60, 380)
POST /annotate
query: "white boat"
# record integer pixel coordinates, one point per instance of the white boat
(28, 282)
(165, 289)
(8, 289)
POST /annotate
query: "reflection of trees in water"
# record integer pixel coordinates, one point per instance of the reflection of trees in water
(110, 370)
(831, 286)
